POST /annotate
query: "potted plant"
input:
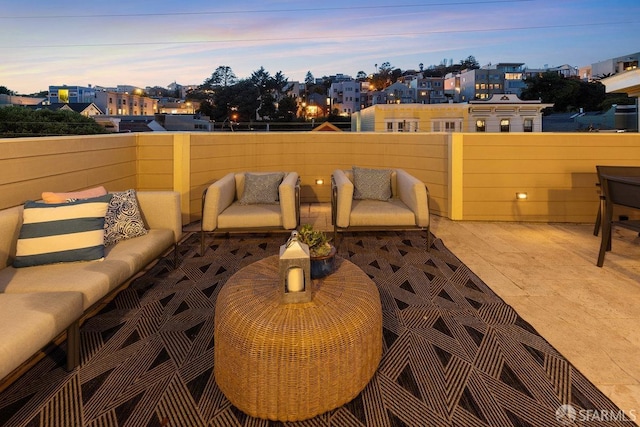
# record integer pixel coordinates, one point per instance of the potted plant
(321, 251)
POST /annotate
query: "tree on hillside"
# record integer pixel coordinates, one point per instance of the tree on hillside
(287, 109)
(553, 88)
(240, 99)
(570, 94)
(223, 76)
(21, 121)
(5, 91)
(469, 63)
(308, 79)
(280, 81)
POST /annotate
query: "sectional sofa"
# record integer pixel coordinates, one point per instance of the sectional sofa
(38, 303)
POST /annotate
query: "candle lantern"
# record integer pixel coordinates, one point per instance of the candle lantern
(295, 271)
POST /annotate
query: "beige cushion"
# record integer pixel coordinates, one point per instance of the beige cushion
(161, 210)
(221, 209)
(408, 206)
(10, 223)
(288, 208)
(261, 188)
(344, 187)
(379, 213)
(30, 321)
(371, 184)
(93, 279)
(50, 197)
(250, 216)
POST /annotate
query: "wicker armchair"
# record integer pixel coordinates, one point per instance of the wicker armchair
(407, 207)
(245, 202)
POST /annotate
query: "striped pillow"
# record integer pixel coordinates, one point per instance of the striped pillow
(62, 232)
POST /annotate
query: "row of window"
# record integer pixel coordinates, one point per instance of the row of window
(453, 125)
(505, 125)
(488, 86)
(402, 126)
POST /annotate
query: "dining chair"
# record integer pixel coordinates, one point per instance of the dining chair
(622, 191)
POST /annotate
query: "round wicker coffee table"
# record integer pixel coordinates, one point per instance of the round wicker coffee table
(291, 362)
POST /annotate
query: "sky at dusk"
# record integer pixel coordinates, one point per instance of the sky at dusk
(154, 43)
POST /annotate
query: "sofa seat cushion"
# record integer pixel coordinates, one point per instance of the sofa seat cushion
(31, 321)
(140, 251)
(250, 216)
(94, 279)
(379, 213)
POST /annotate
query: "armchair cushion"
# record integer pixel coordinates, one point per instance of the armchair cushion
(371, 184)
(408, 205)
(223, 210)
(261, 188)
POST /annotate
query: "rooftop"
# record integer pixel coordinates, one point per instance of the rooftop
(548, 274)
(538, 256)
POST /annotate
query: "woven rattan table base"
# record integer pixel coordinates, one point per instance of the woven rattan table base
(290, 362)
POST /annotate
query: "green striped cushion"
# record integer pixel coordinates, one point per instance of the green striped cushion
(62, 232)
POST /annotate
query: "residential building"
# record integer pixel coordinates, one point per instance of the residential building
(500, 113)
(71, 94)
(111, 102)
(565, 70)
(452, 86)
(615, 65)
(428, 90)
(400, 93)
(87, 109)
(506, 113)
(626, 82)
(345, 97)
(484, 82)
(121, 89)
(185, 122)
(178, 107)
(315, 105)
(9, 100)
(585, 74)
(180, 91)
(374, 97)
(124, 103)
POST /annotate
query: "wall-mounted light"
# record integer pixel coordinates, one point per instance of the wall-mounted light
(521, 196)
(319, 181)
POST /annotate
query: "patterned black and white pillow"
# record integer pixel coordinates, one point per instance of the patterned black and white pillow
(123, 220)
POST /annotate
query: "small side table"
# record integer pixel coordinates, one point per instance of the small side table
(290, 362)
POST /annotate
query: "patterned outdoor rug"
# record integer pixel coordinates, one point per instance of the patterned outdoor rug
(454, 353)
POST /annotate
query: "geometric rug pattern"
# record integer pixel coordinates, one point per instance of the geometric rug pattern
(454, 354)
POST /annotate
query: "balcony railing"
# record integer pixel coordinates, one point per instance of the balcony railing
(470, 176)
